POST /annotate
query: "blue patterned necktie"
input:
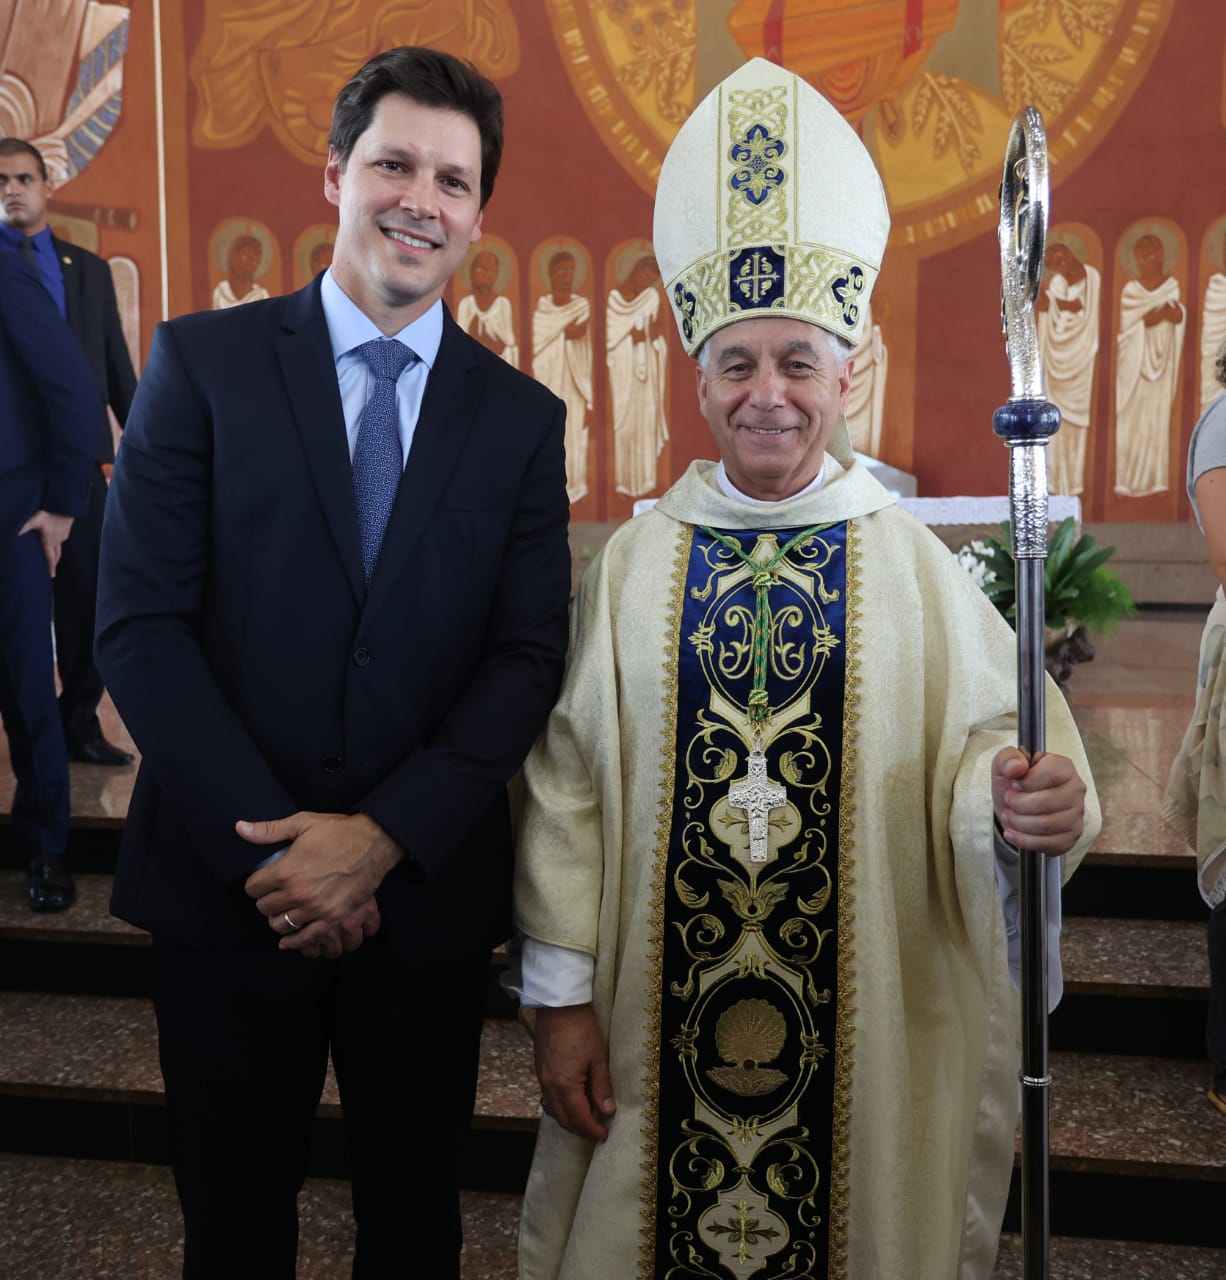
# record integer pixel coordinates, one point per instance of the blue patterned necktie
(377, 458)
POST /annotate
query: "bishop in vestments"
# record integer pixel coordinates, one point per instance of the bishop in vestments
(766, 880)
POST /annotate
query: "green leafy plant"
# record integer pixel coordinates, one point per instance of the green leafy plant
(1081, 591)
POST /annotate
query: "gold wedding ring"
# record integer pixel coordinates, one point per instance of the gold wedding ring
(286, 917)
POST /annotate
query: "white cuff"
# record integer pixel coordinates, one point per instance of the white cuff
(545, 975)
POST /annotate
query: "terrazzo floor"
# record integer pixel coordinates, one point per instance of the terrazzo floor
(124, 1225)
(1073, 1259)
(104, 1048)
(98, 1220)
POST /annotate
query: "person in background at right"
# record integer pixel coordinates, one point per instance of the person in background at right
(1195, 800)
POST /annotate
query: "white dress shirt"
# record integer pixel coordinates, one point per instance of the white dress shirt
(348, 327)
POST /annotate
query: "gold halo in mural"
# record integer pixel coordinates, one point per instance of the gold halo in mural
(932, 85)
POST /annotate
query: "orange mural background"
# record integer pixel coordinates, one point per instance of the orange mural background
(225, 111)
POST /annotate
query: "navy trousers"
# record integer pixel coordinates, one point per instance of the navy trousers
(76, 590)
(27, 681)
(244, 1040)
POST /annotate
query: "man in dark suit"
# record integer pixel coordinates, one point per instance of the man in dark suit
(332, 611)
(48, 413)
(80, 283)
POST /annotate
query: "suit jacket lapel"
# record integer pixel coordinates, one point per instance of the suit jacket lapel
(305, 350)
(443, 427)
(70, 270)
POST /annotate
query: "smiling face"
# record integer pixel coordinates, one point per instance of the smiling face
(23, 193)
(410, 205)
(772, 393)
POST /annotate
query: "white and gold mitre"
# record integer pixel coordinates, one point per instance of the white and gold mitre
(768, 204)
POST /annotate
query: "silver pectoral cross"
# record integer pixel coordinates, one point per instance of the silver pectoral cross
(759, 797)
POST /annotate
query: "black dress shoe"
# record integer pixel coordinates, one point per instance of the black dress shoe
(99, 751)
(51, 884)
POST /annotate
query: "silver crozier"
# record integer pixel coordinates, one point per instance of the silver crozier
(1026, 423)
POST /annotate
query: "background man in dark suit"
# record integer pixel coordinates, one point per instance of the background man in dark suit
(80, 283)
(330, 697)
(48, 413)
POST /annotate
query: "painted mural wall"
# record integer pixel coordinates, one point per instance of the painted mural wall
(187, 139)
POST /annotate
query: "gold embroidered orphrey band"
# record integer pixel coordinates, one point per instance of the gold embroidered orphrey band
(767, 997)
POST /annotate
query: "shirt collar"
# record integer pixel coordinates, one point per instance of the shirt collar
(731, 491)
(349, 326)
(12, 237)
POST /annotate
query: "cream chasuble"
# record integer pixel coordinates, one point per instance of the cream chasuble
(814, 1057)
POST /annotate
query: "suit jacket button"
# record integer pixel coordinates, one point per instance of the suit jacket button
(332, 764)
(361, 657)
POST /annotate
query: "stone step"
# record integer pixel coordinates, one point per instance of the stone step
(1110, 965)
(61, 1219)
(1111, 1113)
(79, 1076)
(1137, 1152)
(1079, 1259)
(1133, 987)
(1138, 886)
(1103, 954)
(1141, 1116)
(88, 920)
(1135, 1147)
(86, 951)
(92, 845)
(1150, 959)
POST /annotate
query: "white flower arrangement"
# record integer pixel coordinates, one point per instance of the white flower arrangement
(973, 558)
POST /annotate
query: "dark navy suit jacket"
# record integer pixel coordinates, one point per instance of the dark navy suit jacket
(47, 400)
(257, 673)
(93, 316)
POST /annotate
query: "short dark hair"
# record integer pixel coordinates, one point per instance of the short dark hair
(431, 78)
(20, 147)
(1220, 365)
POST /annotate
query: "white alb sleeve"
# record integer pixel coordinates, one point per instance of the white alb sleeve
(545, 975)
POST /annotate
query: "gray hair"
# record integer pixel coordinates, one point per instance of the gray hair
(840, 348)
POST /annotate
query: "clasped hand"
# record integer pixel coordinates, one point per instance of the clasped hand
(319, 897)
(1039, 803)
